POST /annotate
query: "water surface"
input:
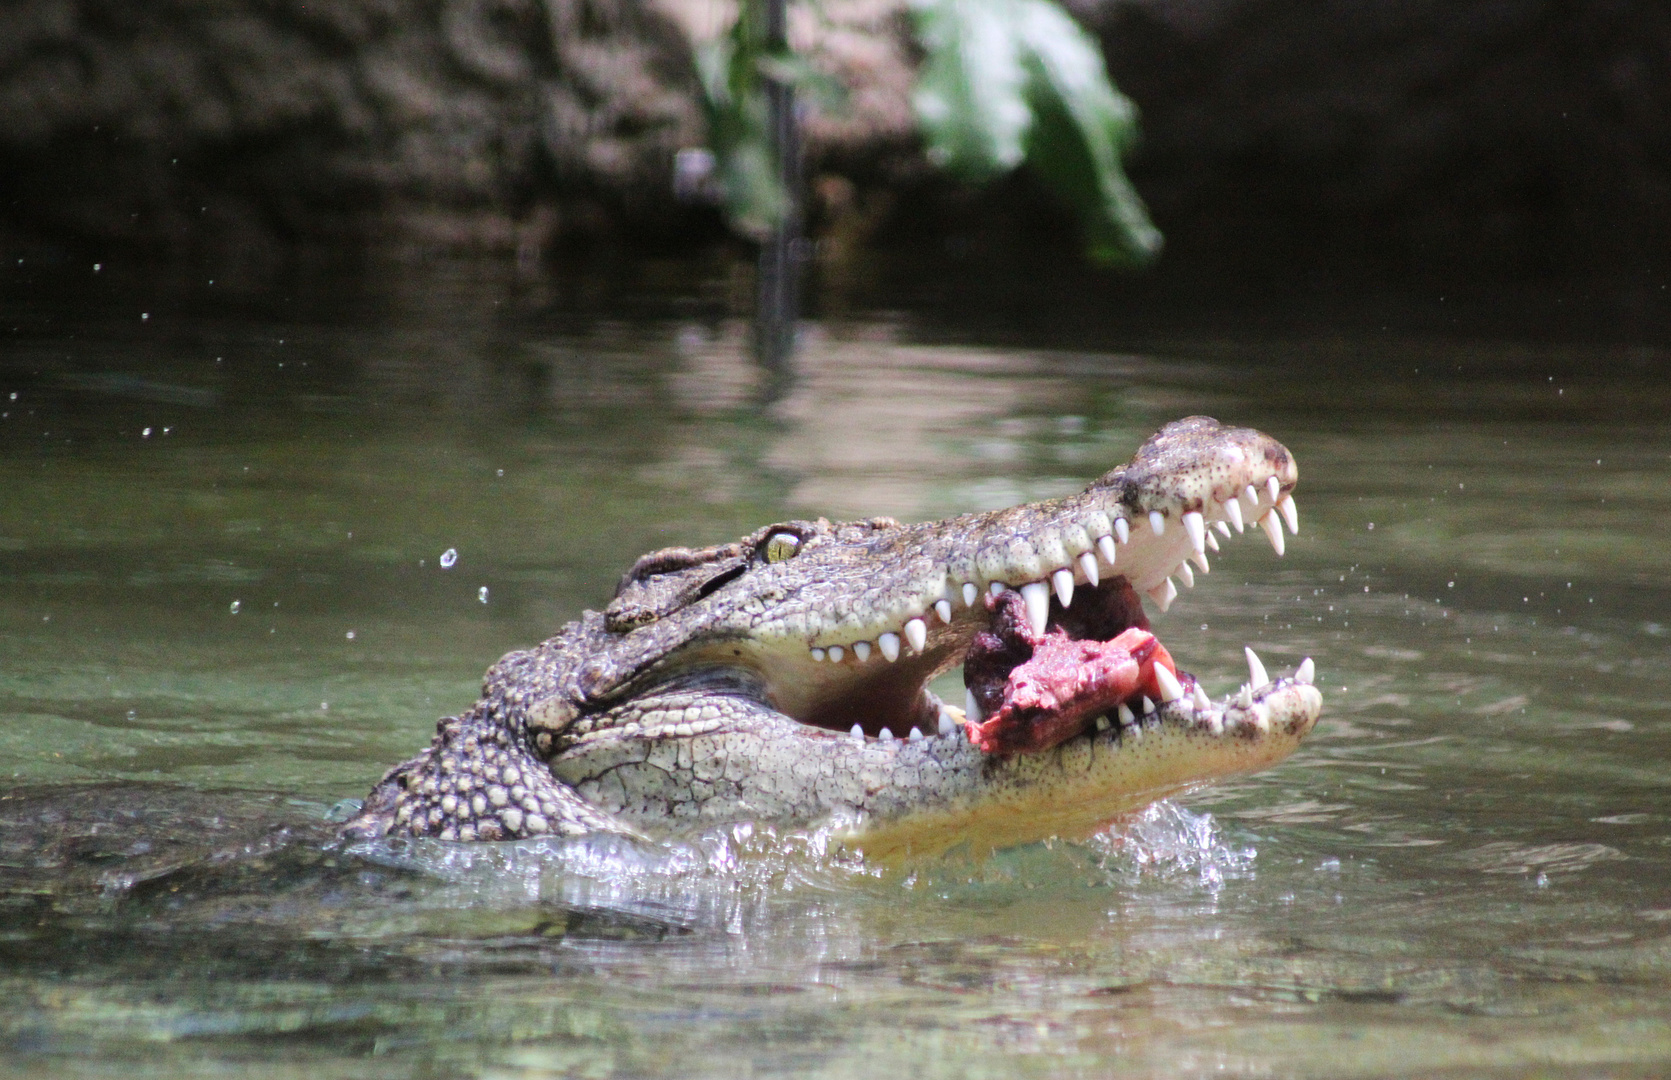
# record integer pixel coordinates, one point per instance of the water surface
(227, 603)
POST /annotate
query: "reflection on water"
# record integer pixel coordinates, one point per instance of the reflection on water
(247, 557)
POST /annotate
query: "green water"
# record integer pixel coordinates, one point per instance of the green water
(212, 633)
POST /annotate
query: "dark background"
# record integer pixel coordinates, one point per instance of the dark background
(1512, 157)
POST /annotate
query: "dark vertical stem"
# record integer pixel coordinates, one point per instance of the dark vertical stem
(779, 297)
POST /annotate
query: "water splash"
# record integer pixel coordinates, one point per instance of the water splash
(1171, 840)
(449, 558)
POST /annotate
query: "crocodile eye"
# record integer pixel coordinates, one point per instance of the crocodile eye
(781, 547)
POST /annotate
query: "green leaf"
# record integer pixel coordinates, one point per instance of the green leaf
(1012, 81)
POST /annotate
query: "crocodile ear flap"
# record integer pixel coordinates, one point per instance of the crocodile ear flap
(664, 581)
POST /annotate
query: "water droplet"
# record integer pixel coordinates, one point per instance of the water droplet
(500, 472)
(146, 434)
(481, 594)
(236, 604)
(448, 558)
(350, 635)
(324, 706)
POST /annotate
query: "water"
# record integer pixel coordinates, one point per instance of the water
(347, 507)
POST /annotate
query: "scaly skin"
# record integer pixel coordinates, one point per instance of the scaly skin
(767, 679)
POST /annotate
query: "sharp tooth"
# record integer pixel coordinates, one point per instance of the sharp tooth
(1122, 532)
(1196, 526)
(1148, 706)
(1063, 580)
(1167, 683)
(886, 736)
(1274, 486)
(1157, 522)
(1273, 530)
(1102, 722)
(1251, 494)
(1261, 717)
(1186, 575)
(836, 654)
(916, 734)
(1202, 701)
(997, 588)
(1088, 563)
(861, 650)
(1245, 697)
(818, 655)
(1256, 676)
(1222, 528)
(889, 644)
(858, 733)
(947, 724)
(1201, 561)
(1233, 511)
(1037, 595)
(1290, 513)
(1306, 672)
(916, 632)
(1126, 718)
(1105, 548)
(1164, 593)
(943, 608)
(1212, 540)
(971, 707)
(970, 594)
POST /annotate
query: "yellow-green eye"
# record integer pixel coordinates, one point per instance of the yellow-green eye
(782, 546)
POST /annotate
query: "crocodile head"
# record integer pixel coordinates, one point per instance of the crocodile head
(785, 675)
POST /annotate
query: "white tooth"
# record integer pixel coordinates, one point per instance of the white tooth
(943, 608)
(1148, 706)
(1202, 701)
(1261, 717)
(1122, 532)
(1105, 548)
(1164, 593)
(970, 594)
(1215, 723)
(861, 649)
(1088, 563)
(1256, 676)
(1126, 718)
(1233, 511)
(1201, 560)
(1306, 672)
(858, 733)
(1273, 530)
(947, 724)
(836, 654)
(1063, 580)
(818, 655)
(1157, 522)
(1290, 513)
(1196, 526)
(1170, 689)
(1037, 596)
(997, 588)
(1251, 494)
(916, 632)
(1102, 722)
(971, 707)
(1273, 486)
(916, 734)
(1186, 575)
(1212, 540)
(1222, 528)
(1245, 697)
(889, 644)
(886, 736)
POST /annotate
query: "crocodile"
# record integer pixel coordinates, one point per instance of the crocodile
(784, 677)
